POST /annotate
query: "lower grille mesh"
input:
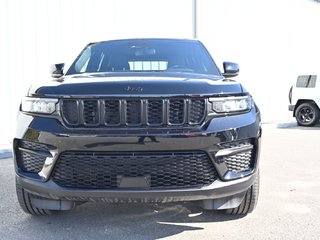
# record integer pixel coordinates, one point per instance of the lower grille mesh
(241, 161)
(103, 170)
(31, 155)
(31, 162)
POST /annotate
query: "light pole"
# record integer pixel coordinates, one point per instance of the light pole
(194, 19)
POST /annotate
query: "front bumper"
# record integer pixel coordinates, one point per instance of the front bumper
(216, 190)
(207, 139)
(291, 107)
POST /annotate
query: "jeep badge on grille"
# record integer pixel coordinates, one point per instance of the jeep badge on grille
(133, 89)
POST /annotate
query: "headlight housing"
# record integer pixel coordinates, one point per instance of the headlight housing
(231, 104)
(39, 105)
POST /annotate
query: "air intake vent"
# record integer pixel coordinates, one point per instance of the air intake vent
(99, 170)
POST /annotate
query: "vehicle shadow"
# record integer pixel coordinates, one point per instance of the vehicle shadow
(125, 221)
(294, 125)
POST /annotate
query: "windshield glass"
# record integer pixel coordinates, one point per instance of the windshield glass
(145, 55)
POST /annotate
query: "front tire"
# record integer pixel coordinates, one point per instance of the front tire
(249, 201)
(307, 114)
(24, 199)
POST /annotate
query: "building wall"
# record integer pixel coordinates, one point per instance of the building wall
(273, 41)
(37, 33)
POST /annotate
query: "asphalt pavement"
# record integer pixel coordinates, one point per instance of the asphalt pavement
(288, 207)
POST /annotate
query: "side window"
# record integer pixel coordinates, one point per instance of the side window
(82, 63)
(306, 81)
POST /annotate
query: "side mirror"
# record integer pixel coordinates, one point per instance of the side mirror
(57, 70)
(230, 69)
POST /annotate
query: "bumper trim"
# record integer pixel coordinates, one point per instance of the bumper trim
(232, 151)
(48, 165)
(291, 107)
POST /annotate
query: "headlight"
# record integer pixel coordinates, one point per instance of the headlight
(231, 104)
(39, 105)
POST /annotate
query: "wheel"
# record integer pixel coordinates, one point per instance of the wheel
(24, 199)
(250, 200)
(307, 114)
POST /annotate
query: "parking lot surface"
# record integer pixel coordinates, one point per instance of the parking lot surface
(288, 207)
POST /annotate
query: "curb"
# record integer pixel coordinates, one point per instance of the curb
(5, 153)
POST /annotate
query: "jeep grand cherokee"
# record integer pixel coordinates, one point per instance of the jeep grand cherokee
(138, 120)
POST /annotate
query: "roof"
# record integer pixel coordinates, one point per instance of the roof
(149, 39)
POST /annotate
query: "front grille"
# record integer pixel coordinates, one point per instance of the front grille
(239, 162)
(155, 112)
(112, 112)
(100, 170)
(31, 156)
(196, 110)
(151, 112)
(133, 112)
(70, 109)
(90, 113)
(176, 111)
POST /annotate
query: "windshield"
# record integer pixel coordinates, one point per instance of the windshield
(145, 55)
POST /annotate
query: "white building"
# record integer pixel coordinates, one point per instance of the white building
(273, 41)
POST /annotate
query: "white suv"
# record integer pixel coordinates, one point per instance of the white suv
(304, 99)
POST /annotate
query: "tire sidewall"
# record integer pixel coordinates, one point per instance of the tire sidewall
(314, 109)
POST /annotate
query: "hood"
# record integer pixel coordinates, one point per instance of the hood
(136, 84)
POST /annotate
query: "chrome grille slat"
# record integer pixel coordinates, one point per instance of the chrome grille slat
(133, 112)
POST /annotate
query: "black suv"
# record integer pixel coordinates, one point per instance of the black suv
(138, 120)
